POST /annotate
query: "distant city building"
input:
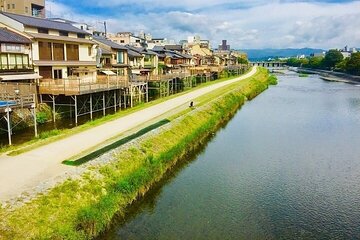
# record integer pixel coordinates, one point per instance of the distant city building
(34, 8)
(224, 46)
(346, 51)
(127, 38)
(318, 54)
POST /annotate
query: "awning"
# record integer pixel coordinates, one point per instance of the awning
(109, 73)
(15, 77)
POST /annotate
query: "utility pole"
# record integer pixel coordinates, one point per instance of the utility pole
(105, 29)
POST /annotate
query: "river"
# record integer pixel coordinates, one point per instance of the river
(287, 166)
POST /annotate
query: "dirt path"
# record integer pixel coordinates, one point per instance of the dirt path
(28, 170)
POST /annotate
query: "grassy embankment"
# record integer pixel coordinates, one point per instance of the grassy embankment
(81, 209)
(58, 134)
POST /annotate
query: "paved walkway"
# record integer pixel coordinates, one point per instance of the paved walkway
(26, 171)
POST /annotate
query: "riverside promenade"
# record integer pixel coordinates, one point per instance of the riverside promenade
(24, 172)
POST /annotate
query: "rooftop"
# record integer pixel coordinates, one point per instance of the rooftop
(43, 23)
(7, 36)
(109, 43)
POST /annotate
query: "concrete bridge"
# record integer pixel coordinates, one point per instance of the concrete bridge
(268, 64)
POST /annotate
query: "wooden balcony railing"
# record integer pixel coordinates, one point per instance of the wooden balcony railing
(20, 94)
(161, 77)
(79, 86)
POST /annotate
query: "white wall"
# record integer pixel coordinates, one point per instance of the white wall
(11, 23)
(84, 53)
(35, 51)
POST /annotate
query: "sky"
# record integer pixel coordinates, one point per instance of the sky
(245, 24)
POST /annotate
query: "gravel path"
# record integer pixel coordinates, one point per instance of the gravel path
(27, 171)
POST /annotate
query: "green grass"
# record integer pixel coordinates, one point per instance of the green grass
(304, 75)
(53, 136)
(99, 152)
(83, 208)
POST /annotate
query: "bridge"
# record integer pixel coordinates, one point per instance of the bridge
(266, 64)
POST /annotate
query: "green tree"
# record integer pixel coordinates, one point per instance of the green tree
(242, 60)
(316, 62)
(341, 66)
(295, 62)
(353, 64)
(332, 58)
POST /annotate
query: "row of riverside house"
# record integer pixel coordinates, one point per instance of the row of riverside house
(81, 72)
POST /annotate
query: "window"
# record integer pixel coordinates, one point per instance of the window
(89, 51)
(58, 50)
(27, 9)
(8, 6)
(12, 61)
(13, 48)
(45, 72)
(45, 51)
(122, 41)
(43, 30)
(81, 35)
(64, 33)
(120, 57)
(13, 6)
(57, 74)
(3, 61)
(72, 52)
(137, 41)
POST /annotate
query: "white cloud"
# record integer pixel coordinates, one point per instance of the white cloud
(261, 24)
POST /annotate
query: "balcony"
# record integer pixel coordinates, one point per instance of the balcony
(82, 85)
(17, 95)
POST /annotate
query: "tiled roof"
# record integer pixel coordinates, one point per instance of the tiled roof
(7, 36)
(174, 47)
(109, 43)
(105, 51)
(44, 23)
(132, 53)
(158, 48)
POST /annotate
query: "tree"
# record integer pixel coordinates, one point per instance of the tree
(242, 60)
(316, 62)
(332, 58)
(353, 64)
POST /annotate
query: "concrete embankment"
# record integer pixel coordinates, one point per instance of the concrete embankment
(332, 76)
(83, 208)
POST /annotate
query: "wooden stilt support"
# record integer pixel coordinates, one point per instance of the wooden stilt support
(8, 120)
(104, 104)
(131, 96)
(54, 108)
(91, 107)
(34, 116)
(115, 101)
(76, 110)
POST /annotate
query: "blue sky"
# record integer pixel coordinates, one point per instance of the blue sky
(244, 23)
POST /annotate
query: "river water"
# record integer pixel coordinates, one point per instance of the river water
(287, 166)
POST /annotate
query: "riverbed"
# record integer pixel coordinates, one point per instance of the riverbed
(287, 166)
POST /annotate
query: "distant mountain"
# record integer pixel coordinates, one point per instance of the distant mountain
(264, 54)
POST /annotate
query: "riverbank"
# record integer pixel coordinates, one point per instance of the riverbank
(54, 135)
(82, 208)
(331, 76)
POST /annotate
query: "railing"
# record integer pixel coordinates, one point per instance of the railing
(21, 93)
(84, 85)
(161, 77)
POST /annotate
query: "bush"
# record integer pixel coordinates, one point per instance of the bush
(41, 117)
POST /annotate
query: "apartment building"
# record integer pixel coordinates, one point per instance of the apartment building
(34, 8)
